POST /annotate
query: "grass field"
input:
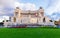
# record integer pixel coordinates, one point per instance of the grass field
(29, 33)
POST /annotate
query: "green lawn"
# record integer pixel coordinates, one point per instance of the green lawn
(29, 33)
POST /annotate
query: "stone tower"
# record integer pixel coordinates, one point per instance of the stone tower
(41, 11)
(17, 14)
(41, 15)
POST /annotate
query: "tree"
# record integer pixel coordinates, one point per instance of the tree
(56, 22)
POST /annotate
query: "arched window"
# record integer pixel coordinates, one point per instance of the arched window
(44, 20)
(14, 19)
(51, 21)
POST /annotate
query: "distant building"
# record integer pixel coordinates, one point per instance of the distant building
(26, 17)
(29, 17)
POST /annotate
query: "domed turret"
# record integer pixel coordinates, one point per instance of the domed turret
(17, 7)
(41, 8)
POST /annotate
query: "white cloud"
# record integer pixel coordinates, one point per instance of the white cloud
(30, 6)
(4, 17)
(53, 7)
(26, 6)
(13, 4)
(4, 4)
(7, 2)
(1, 8)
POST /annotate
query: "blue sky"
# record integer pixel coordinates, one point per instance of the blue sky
(51, 7)
(38, 3)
